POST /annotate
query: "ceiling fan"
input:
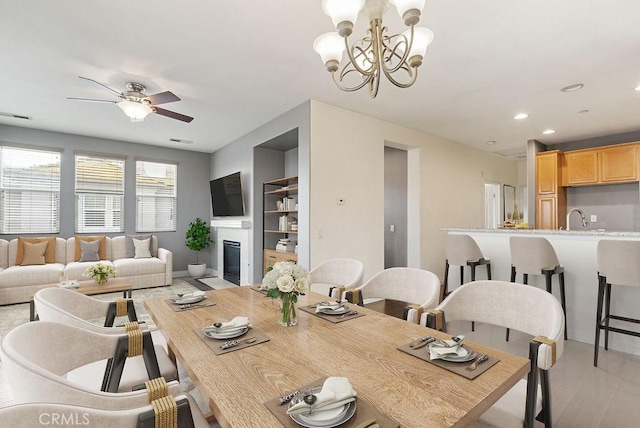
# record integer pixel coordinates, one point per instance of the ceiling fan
(136, 104)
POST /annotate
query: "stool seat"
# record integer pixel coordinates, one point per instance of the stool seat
(617, 265)
(536, 256)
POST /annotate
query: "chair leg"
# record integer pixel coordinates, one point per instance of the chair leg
(446, 279)
(596, 347)
(513, 279)
(546, 398)
(532, 386)
(563, 301)
(489, 271)
(607, 309)
(473, 278)
(461, 275)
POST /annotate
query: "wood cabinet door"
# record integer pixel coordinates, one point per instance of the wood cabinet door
(619, 164)
(547, 173)
(546, 212)
(582, 167)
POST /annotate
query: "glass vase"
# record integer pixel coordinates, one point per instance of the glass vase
(288, 316)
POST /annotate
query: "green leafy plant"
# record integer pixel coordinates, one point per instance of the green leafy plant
(198, 236)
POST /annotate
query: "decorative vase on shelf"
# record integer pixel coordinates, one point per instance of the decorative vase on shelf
(286, 281)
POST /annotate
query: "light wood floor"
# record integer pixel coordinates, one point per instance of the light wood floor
(583, 396)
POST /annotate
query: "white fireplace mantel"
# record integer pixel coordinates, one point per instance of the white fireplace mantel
(231, 224)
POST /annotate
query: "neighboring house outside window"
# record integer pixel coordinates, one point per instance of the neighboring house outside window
(29, 190)
(156, 196)
(99, 194)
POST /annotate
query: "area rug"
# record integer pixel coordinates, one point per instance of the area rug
(216, 283)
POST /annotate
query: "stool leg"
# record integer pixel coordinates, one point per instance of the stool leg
(446, 279)
(461, 275)
(489, 271)
(607, 308)
(525, 278)
(563, 302)
(513, 274)
(596, 348)
(473, 278)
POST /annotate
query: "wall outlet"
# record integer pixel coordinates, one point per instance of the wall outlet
(594, 218)
(340, 201)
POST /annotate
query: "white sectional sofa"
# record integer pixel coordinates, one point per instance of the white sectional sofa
(18, 283)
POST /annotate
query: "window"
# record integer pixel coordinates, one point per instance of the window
(99, 194)
(30, 190)
(156, 196)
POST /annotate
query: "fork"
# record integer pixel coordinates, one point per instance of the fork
(348, 314)
(481, 359)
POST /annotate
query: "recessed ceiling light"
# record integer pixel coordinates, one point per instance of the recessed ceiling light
(521, 116)
(549, 131)
(491, 142)
(637, 88)
(571, 88)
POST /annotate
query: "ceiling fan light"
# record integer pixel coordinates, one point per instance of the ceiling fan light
(342, 10)
(136, 111)
(330, 47)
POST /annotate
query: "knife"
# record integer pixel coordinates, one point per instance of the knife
(423, 341)
(233, 343)
(286, 398)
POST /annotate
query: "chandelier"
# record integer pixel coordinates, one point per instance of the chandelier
(377, 53)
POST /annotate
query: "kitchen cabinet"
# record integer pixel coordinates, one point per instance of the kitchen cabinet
(602, 165)
(551, 200)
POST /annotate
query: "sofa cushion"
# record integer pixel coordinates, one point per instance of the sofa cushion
(77, 270)
(89, 251)
(130, 247)
(34, 253)
(102, 250)
(49, 255)
(133, 267)
(18, 276)
(142, 248)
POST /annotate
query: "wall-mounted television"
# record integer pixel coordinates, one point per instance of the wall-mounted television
(226, 196)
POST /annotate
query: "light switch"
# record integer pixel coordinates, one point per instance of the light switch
(392, 228)
(594, 218)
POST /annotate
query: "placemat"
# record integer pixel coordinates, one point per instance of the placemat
(201, 304)
(364, 411)
(457, 368)
(257, 288)
(214, 344)
(333, 318)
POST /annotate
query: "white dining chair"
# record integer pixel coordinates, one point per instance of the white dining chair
(414, 286)
(527, 309)
(462, 250)
(334, 276)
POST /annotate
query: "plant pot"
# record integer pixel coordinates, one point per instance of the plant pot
(197, 271)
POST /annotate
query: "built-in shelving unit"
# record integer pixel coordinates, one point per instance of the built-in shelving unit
(279, 220)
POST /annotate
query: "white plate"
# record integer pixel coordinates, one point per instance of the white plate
(338, 311)
(346, 413)
(464, 354)
(227, 334)
(185, 300)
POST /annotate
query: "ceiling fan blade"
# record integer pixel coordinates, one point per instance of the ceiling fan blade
(163, 98)
(171, 114)
(92, 100)
(113, 91)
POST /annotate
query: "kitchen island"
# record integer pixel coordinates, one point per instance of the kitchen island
(577, 252)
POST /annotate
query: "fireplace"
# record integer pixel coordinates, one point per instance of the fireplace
(231, 261)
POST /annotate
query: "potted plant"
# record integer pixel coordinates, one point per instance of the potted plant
(198, 238)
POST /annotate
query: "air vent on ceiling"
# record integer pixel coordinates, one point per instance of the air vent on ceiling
(15, 116)
(517, 153)
(177, 140)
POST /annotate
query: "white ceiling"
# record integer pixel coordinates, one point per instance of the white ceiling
(238, 64)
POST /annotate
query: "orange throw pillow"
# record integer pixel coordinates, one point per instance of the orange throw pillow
(102, 249)
(49, 254)
(34, 253)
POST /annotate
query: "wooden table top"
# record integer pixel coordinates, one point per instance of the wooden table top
(409, 390)
(90, 287)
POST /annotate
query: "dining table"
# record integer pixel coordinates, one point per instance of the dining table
(364, 349)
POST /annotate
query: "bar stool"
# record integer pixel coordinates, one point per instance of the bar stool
(462, 250)
(536, 256)
(617, 265)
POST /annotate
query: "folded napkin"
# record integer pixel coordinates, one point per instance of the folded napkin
(336, 392)
(235, 324)
(194, 294)
(451, 347)
(323, 306)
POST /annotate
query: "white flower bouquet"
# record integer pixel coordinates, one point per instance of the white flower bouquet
(100, 272)
(286, 281)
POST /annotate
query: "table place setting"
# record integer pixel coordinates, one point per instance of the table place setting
(185, 302)
(450, 354)
(332, 311)
(223, 337)
(326, 403)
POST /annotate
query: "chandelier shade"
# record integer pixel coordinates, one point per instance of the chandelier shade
(376, 54)
(136, 111)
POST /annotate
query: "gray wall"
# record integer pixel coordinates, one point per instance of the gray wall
(194, 198)
(395, 207)
(239, 156)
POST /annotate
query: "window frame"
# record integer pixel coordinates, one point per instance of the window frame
(144, 197)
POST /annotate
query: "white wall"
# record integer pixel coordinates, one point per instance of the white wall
(347, 160)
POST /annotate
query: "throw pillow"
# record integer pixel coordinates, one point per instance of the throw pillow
(142, 248)
(49, 255)
(34, 253)
(89, 251)
(130, 248)
(102, 249)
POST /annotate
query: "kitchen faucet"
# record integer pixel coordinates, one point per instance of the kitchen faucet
(585, 223)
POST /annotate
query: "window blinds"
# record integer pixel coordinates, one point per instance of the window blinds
(156, 196)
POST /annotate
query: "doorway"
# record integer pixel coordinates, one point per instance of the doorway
(395, 207)
(491, 205)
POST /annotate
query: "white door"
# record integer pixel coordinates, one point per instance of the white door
(491, 205)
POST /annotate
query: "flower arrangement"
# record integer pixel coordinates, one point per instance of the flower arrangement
(100, 272)
(286, 281)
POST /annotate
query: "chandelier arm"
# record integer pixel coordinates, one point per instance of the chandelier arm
(374, 85)
(352, 59)
(342, 87)
(413, 72)
(402, 59)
